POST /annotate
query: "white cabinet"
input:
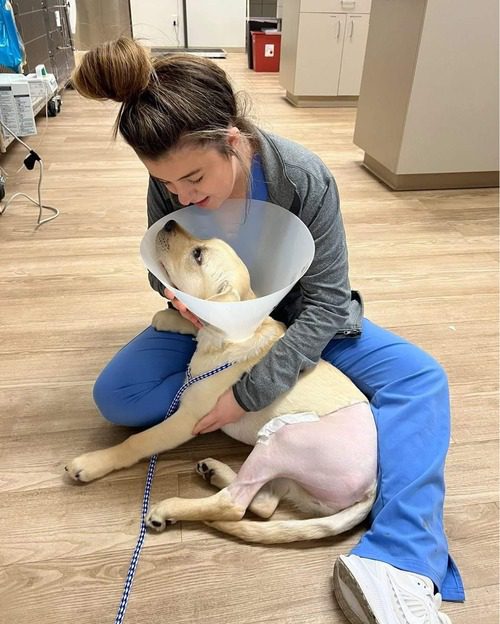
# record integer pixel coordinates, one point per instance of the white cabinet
(356, 35)
(318, 62)
(323, 50)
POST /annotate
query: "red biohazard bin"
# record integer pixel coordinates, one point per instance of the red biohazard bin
(266, 51)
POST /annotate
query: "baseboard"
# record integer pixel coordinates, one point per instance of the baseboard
(312, 101)
(215, 53)
(431, 181)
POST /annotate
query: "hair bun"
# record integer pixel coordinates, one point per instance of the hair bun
(117, 70)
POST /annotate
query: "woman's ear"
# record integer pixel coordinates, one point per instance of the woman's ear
(233, 136)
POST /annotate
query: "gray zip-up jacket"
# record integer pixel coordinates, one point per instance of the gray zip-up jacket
(321, 306)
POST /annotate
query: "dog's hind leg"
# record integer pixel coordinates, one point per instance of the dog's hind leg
(266, 463)
(266, 500)
(217, 507)
(228, 504)
(221, 475)
(220, 506)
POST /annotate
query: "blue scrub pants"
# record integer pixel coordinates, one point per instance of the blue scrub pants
(408, 392)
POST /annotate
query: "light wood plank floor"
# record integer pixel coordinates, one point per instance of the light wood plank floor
(74, 291)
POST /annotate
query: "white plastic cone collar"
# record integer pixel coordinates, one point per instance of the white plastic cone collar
(275, 245)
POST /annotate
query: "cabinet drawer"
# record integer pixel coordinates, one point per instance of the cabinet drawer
(335, 6)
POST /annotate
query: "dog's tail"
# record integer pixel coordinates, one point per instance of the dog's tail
(281, 531)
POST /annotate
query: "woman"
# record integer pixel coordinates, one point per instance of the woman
(181, 117)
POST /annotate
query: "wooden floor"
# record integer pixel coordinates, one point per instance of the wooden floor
(74, 291)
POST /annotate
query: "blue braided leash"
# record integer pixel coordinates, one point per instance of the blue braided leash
(147, 490)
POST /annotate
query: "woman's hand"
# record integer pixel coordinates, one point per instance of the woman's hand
(226, 411)
(183, 311)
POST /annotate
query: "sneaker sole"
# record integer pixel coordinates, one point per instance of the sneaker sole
(342, 574)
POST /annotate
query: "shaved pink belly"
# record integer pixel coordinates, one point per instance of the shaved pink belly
(334, 459)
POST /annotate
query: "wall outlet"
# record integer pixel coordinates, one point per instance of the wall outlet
(175, 21)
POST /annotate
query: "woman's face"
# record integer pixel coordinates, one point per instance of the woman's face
(199, 175)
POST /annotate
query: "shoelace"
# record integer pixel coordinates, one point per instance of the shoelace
(409, 605)
(438, 601)
(442, 617)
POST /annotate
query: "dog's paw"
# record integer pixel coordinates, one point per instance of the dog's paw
(215, 472)
(206, 469)
(162, 320)
(157, 519)
(90, 466)
(171, 320)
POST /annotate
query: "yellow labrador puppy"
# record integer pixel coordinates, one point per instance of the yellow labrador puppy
(315, 445)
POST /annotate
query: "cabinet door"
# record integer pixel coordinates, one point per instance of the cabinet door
(319, 53)
(356, 34)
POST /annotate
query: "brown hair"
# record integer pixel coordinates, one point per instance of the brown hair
(165, 100)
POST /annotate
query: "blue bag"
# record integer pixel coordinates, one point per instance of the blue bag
(11, 47)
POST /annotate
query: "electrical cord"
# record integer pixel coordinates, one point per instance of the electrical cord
(48, 96)
(29, 163)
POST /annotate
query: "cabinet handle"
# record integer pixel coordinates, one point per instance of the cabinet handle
(338, 29)
(352, 29)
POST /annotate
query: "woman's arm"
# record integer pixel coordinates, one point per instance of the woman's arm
(326, 302)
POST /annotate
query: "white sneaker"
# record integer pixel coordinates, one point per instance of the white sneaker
(374, 592)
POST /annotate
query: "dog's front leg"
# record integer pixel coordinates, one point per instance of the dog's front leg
(167, 435)
(170, 320)
(220, 506)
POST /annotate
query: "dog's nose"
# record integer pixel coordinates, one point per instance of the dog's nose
(169, 225)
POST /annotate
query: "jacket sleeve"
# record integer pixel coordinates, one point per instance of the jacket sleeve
(159, 204)
(326, 297)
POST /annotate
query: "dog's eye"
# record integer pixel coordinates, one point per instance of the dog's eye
(198, 254)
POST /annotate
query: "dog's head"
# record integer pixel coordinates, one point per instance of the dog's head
(207, 269)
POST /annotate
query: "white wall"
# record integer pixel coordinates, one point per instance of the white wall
(152, 22)
(214, 23)
(211, 23)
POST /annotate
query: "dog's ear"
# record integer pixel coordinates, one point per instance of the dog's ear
(226, 292)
